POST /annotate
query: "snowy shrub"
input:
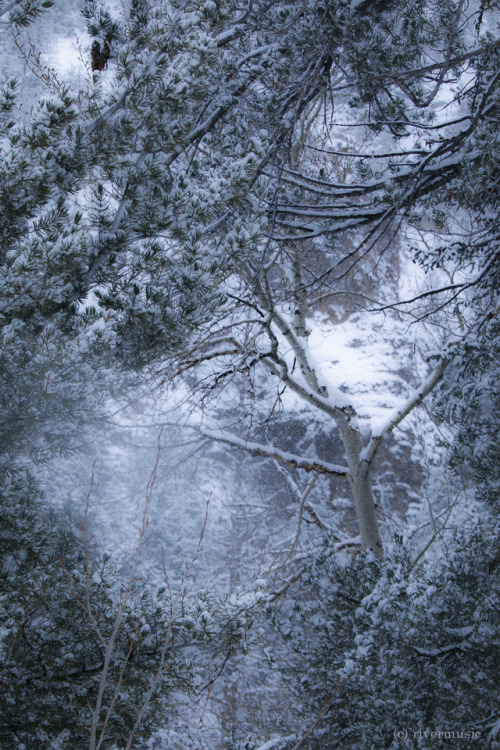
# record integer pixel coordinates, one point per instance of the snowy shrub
(394, 648)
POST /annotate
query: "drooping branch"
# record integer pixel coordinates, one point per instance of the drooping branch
(450, 288)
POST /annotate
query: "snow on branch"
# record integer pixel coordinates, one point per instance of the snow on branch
(284, 457)
(277, 743)
(415, 399)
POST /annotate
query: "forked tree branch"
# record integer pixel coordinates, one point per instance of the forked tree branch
(415, 399)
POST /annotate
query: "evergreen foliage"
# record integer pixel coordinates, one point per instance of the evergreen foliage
(91, 656)
(469, 401)
(398, 650)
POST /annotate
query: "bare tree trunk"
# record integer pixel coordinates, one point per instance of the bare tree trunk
(361, 489)
(365, 512)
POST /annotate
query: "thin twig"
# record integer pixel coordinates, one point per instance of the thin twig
(319, 717)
